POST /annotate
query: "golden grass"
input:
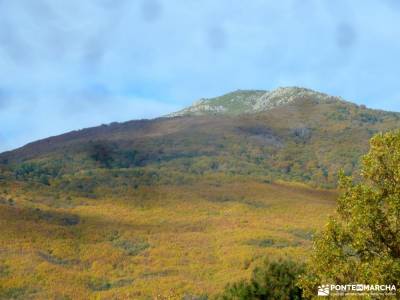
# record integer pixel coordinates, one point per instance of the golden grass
(183, 240)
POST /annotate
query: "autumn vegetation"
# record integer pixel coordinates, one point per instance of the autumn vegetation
(172, 241)
(204, 207)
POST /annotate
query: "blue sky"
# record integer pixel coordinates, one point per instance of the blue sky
(66, 65)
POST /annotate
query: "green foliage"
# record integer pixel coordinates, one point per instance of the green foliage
(109, 155)
(39, 172)
(102, 152)
(273, 280)
(361, 243)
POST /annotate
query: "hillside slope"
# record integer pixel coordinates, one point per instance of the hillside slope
(176, 207)
(163, 242)
(291, 133)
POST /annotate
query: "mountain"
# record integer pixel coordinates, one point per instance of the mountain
(289, 133)
(252, 101)
(177, 207)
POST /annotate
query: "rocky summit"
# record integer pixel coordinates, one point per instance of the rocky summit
(253, 101)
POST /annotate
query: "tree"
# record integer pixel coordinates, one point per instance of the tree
(273, 280)
(361, 242)
(102, 152)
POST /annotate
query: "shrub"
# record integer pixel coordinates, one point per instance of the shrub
(273, 280)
